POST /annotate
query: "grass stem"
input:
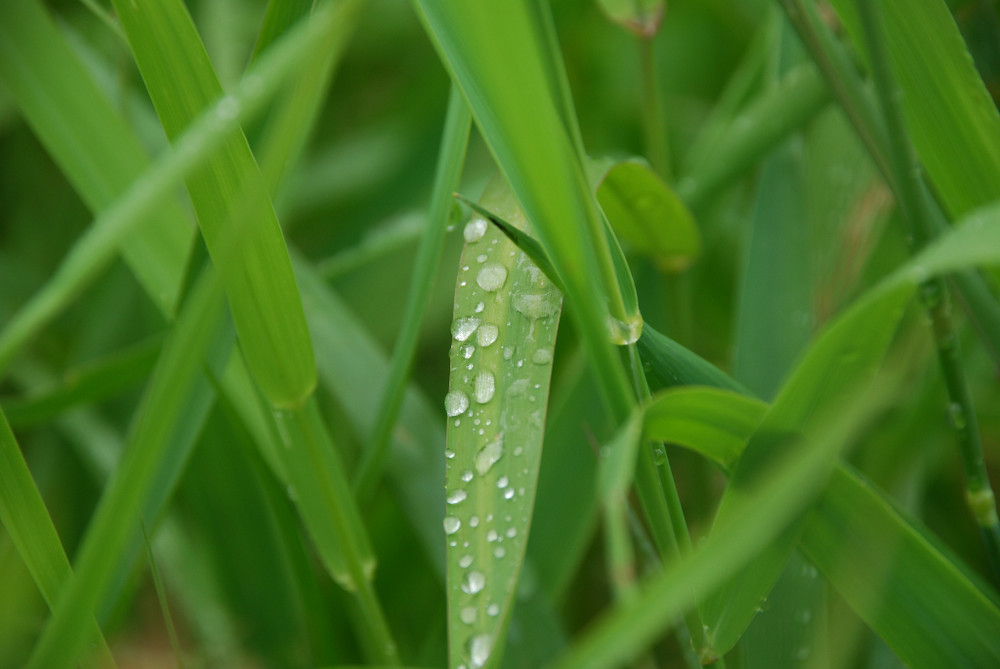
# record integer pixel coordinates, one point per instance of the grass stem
(917, 211)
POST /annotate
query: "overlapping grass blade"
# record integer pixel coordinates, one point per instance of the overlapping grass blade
(27, 522)
(93, 146)
(953, 122)
(506, 319)
(257, 273)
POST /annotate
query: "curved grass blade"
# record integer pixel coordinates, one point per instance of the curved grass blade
(94, 147)
(506, 317)
(257, 273)
(953, 123)
(24, 516)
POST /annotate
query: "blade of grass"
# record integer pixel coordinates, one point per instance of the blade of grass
(934, 293)
(506, 319)
(97, 247)
(27, 522)
(258, 276)
(92, 144)
(450, 160)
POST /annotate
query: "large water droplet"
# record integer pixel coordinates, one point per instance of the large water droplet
(474, 230)
(473, 583)
(465, 561)
(485, 386)
(487, 334)
(462, 328)
(479, 650)
(508, 493)
(456, 402)
(491, 277)
(456, 497)
(542, 356)
(489, 455)
(451, 525)
(623, 333)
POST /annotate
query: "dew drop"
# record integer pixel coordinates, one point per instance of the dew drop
(481, 258)
(448, 453)
(542, 356)
(474, 521)
(489, 455)
(467, 475)
(492, 536)
(533, 306)
(457, 496)
(499, 552)
(503, 482)
(493, 610)
(491, 277)
(511, 532)
(508, 493)
(465, 561)
(479, 650)
(479, 308)
(468, 615)
(487, 334)
(456, 402)
(468, 350)
(462, 328)
(474, 230)
(956, 416)
(485, 386)
(451, 525)
(473, 583)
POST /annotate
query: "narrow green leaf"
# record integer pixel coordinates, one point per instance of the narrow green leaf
(648, 216)
(27, 522)
(953, 122)
(279, 16)
(669, 364)
(506, 319)
(614, 478)
(231, 198)
(89, 141)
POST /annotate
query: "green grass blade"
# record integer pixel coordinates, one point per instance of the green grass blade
(669, 364)
(279, 16)
(114, 520)
(450, 160)
(538, 152)
(506, 319)
(614, 479)
(87, 384)
(27, 522)
(91, 143)
(98, 246)
(952, 120)
(257, 273)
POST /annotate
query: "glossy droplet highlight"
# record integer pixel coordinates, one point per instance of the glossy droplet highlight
(491, 277)
(487, 334)
(479, 650)
(489, 455)
(474, 230)
(457, 496)
(456, 402)
(462, 328)
(451, 525)
(485, 386)
(473, 583)
(465, 561)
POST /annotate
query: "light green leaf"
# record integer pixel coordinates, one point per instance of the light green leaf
(643, 17)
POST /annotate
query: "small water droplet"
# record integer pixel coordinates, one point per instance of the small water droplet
(474, 521)
(499, 552)
(508, 493)
(479, 650)
(511, 532)
(623, 333)
(481, 258)
(956, 416)
(542, 356)
(467, 475)
(451, 525)
(503, 482)
(462, 328)
(465, 561)
(485, 386)
(473, 583)
(491, 277)
(487, 334)
(533, 306)
(474, 230)
(457, 496)
(468, 350)
(659, 455)
(479, 308)
(468, 615)
(448, 453)
(456, 402)
(489, 455)
(493, 610)
(508, 352)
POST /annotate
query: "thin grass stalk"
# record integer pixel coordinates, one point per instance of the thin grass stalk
(831, 58)
(458, 121)
(657, 142)
(917, 211)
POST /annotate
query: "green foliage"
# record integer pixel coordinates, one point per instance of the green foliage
(348, 425)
